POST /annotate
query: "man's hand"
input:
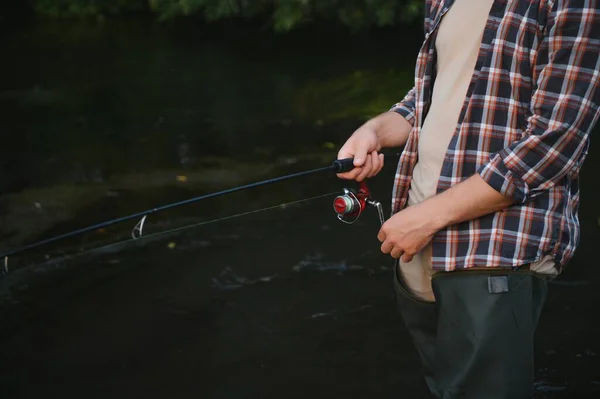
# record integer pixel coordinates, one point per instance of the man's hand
(411, 229)
(408, 232)
(363, 146)
(389, 129)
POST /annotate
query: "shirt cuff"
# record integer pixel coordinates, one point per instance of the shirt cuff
(502, 179)
(407, 113)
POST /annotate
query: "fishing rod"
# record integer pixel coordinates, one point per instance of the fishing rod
(348, 206)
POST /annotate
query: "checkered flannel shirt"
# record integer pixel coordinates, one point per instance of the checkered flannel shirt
(524, 128)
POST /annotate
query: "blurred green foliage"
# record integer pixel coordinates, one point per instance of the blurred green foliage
(283, 15)
(358, 95)
(87, 8)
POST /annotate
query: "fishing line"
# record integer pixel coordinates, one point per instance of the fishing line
(337, 166)
(226, 218)
(148, 237)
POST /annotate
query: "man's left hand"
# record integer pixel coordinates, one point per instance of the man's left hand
(408, 232)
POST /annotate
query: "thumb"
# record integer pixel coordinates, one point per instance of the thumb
(360, 155)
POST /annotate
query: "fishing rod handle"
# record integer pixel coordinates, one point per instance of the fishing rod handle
(347, 164)
(343, 165)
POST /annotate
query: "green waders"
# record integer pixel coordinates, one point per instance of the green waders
(476, 340)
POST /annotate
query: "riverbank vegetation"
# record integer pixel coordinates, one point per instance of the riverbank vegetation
(281, 15)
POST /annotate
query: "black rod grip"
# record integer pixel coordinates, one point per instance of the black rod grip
(343, 165)
(347, 164)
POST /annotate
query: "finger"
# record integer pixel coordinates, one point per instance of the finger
(347, 150)
(375, 163)
(396, 252)
(350, 175)
(367, 167)
(407, 258)
(360, 154)
(381, 162)
(387, 247)
(381, 235)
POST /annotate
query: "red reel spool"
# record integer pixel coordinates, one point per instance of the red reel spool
(352, 203)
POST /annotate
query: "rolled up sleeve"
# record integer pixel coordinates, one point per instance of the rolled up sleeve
(564, 106)
(406, 107)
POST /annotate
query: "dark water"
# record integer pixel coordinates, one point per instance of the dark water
(101, 121)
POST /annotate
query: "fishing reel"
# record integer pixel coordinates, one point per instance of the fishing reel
(350, 205)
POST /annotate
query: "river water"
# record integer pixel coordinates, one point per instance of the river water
(102, 120)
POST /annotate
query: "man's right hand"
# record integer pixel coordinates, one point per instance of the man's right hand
(389, 129)
(363, 146)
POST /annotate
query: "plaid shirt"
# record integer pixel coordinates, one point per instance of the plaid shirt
(524, 128)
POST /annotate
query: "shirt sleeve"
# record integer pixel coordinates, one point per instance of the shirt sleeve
(406, 107)
(564, 106)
